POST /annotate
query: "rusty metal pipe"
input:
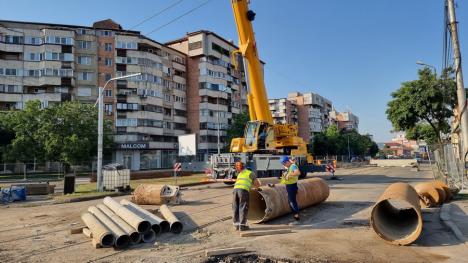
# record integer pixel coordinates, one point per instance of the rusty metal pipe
(139, 223)
(272, 202)
(122, 239)
(268, 180)
(149, 194)
(396, 216)
(101, 233)
(429, 196)
(175, 225)
(135, 237)
(446, 190)
(157, 224)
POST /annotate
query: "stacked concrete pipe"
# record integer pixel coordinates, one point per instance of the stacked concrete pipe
(139, 223)
(175, 225)
(135, 237)
(101, 233)
(122, 239)
(157, 224)
(396, 216)
(272, 202)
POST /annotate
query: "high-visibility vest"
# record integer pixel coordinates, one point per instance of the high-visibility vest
(243, 180)
(292, 179)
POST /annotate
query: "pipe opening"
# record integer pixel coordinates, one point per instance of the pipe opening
(148, 237)
(395, 219)
(107, 240)
(135, 237)
(122, 242)
(144, 226)
(176, 227)
(257, 206)
(156, 228)
(165, 226)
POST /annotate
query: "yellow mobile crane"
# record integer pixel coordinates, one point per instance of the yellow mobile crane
(264, 142)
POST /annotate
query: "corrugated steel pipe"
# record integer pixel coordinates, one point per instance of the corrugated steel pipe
(101, 233)
(272, 202)
(396, 216)
(428, 194)
(176, 225)
(148, 237)
(122, 239)
(157, 224)
(135, 237)
(139, 223)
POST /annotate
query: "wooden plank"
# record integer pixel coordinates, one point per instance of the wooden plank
(76, 230)
(87, 232)
(264, 233)
(224, 251)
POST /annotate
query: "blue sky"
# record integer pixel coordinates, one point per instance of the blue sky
(354, 53)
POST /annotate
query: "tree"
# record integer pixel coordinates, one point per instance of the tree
(374, 149)
(236, 129)
(427, 100)
(422, 131)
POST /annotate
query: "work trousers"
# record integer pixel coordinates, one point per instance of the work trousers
(240, 206)
(292, 192)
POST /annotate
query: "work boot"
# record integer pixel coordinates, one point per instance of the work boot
(244, 228)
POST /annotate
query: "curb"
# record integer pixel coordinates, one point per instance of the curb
(446, 220)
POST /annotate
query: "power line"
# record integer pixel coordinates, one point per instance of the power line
(157, 14)
(179, 17)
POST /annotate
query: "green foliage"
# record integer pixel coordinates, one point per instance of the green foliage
(422, 131)
(335, 142)
(236, 129)
(64, 132)
(427, 100)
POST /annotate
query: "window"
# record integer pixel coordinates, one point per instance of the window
(32, 40)
(195, 45)
(33, 56)
(83, 44)
(107, 93)
(108, 109)
(106, 33)
(107, 76)
(58, 40)
(220, 49)
(85, 76)
(14, 39)
(11, 71)
(84, 60)
(84, 91)
(108, 46)
(11, 88)
(108, 62)
(126, 45)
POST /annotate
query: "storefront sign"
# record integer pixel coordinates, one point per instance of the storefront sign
(131, 146)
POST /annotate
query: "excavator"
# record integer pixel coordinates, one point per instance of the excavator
(264, 142)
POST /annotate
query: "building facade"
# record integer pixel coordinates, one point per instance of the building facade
(216, 89)
(283, 111)
(53, 63)
(344, 120)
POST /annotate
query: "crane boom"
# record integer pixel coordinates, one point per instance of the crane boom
(257, 97)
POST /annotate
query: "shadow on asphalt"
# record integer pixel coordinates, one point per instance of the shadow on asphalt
(373, 179)
(434, 233)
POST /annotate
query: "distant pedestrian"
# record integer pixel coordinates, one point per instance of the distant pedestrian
(246, 179)
(290, 178)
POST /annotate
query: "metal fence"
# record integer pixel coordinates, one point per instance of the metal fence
(448, 166)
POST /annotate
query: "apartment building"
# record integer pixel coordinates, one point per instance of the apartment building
(216, 90)
(344, 120)
(283, 111)
(54, 63)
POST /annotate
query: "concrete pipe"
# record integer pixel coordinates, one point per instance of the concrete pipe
(139, 223)
(272, 202)
(268, 180)
(135, 237)
(122, 239)
(175, 225)
(440, 191)
(148, 237)
(448, 193)
(396, 217)
(101, 233)
(149, 194)
(429, 196)
(157, 224)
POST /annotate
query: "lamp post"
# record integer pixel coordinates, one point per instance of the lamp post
(217, 119)
(100, 103)
(419, 62)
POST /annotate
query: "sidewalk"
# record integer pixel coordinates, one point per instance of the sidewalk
(455, 217)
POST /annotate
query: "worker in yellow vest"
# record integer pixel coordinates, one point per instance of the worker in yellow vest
(290, 178)
(246, 179)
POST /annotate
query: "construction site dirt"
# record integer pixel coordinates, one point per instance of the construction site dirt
(336, 230)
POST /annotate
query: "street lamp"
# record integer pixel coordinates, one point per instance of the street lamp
(419, 62)
(217, 118)
(100, 103)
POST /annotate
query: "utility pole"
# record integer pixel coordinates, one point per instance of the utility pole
(461, 96)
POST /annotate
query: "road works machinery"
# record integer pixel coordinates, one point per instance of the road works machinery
(264, 141)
